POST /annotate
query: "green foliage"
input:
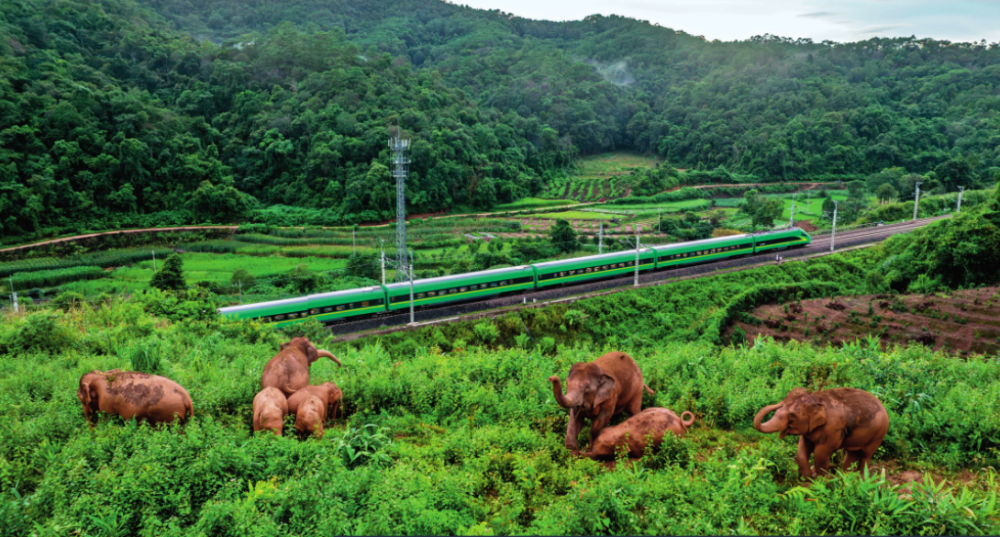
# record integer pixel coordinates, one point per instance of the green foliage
(52, 278)
(171, 275)
(563, 236)
(243, 278)
(763, 211)
(365, 445)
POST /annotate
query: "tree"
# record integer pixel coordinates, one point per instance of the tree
(762, 210)
(243, 279)
(886, 193)
(171, 276)
(829, 206)
(563, 236)
(302, 280)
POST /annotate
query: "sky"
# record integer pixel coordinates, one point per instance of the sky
(836, 20)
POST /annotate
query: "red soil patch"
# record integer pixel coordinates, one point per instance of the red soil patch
(960, 322)
(806, 225)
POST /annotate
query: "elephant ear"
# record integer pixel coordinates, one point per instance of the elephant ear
(310, 349)
(85, 393)
(605, 386)
(284, 346)
(817, 416)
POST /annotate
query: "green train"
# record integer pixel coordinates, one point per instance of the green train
(379, 299)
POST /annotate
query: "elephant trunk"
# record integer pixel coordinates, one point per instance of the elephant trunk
(565, 402)
(772, 426)
(328, 354)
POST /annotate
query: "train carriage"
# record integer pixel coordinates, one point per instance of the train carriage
(444, 289)
(324, 307)
(592, 267)
(781, 239)
(704, 251)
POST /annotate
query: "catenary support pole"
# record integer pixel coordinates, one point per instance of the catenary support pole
(916, 200)
(833, 235)
(600, 238)
(154, 261)
(382, 259)
(637, 246)
(411, 287)
(958, 209)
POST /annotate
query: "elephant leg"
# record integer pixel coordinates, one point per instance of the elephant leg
(635, 405)
(802, 458)
(851, 457)
(573, 431)
(821, 458)
(600, 422)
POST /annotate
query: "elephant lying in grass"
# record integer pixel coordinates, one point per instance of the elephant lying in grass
(826, 421)
(132, 394)
(637, 433)
(599, 390)
(288, 370)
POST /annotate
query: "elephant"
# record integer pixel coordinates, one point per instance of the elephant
(269, 410)
(132, 394)
(328, 392)
(310, 417)
(599, 390)
(826, 421)
(649, 425)
(288, 370)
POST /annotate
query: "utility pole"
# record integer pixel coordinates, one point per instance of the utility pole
(833, 235)
(354, 243)
(154, 261)
(382, 259)
(411, 287)
(240, 285)
(960, 190)
(636, 283)
(916, 201)
(13, 295)
(600, 238)
(791, 222)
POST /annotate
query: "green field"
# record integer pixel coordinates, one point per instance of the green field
(598, 176)
(668, 206)
(531, 203)
(580, 215)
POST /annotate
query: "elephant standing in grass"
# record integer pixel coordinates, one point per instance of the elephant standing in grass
(599, 390)
(327, 392)
(288, 371)
(310, 416)
(826, 421)
(132, 394)
(269, 410)
(637, 432)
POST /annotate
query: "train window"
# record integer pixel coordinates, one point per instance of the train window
(314, 311)
(462, 289)
(341, 307)
(562, 274)
(493, 284)
(364, 304)
(327, 309)
(293, 315)
(452, 291)
(420, 295)
(279, 317)
(503, 283)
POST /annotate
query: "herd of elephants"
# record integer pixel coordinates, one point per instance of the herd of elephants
(825, 421)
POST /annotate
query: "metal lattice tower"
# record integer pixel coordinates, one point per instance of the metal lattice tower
(400, 166)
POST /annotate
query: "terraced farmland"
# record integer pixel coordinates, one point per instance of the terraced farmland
(599, 176)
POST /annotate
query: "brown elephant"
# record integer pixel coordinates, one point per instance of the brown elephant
(269, 410)
(826, 421)
(132, 394)
(328, 392)
(599, 390)
(649, 425)
(310, 417)
(288, 371)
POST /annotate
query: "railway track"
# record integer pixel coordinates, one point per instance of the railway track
(349, 330)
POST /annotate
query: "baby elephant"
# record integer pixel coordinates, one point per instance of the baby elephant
(327, 392)
(826, 421)
(310, 416)
(132, 394)
(647, 426)
(269, 410)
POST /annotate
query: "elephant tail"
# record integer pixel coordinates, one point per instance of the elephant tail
(190, 408)
(650, 392)
(687, 422)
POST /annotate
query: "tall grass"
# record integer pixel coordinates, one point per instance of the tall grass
(105, 259)
(52, 278)
(471, 442)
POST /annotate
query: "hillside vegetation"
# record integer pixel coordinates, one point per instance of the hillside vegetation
(121, 113)
(469, 442)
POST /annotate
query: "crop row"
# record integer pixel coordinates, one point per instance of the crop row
(52, 278)
(105, 259)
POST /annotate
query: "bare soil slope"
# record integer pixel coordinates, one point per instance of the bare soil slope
(960, 322)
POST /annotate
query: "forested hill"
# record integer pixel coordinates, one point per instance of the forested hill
(205, 109)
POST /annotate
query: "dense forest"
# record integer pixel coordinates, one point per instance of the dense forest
(133, 112)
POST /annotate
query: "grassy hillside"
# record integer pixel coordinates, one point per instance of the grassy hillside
(470, 442)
